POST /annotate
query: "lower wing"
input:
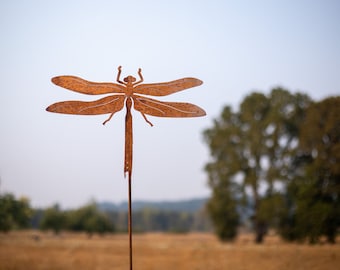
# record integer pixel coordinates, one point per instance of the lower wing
(104, 105)
(166, 109)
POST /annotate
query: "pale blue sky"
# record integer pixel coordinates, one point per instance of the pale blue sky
(235, 47)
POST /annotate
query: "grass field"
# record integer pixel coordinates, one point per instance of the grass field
(34, 250)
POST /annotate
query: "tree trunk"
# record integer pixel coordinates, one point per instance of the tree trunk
(260, 230)
(260, 226)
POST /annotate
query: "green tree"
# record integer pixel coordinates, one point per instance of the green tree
(222, 210)
(53, 219)
(314, 193)
(90, 220)
(14, 213)
(251, 155)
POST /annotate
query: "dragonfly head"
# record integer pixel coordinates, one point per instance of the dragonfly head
(129, 79)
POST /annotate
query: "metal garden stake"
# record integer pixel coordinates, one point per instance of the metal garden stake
(126, 92)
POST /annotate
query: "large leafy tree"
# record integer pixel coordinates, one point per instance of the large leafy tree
(315, 207)
(250, 157)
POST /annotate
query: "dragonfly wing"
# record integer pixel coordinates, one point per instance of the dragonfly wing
(110, 104)
(166, 88)
(86, 87)
(166, 109)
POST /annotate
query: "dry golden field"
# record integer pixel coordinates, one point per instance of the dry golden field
(22, 250)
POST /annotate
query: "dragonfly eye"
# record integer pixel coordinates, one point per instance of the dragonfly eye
(129, 79)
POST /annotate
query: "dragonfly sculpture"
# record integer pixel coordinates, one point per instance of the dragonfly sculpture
(129, 92)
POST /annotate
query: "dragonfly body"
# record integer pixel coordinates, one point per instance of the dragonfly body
(128, 138)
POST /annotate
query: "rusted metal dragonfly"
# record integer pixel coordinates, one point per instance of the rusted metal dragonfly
(127, 92)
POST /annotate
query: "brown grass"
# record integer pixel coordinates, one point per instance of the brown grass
(20, 250)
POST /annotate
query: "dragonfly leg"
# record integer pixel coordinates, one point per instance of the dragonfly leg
(108, 119)
(118, 75)
(140, 76)
(146, 119)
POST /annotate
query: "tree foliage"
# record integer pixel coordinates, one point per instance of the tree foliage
(86, 219)
(14, 213)
(222, 209)
(53, 219)
(89, 219)
(314, 208)
(251, 154)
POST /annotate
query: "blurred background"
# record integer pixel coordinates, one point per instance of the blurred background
(261, 54)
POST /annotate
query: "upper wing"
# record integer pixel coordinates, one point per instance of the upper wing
(86, 87)
(104, 105)
(166, 109)
(166, 88)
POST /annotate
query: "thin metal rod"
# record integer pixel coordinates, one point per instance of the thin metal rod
(128, 166)
(130, 222)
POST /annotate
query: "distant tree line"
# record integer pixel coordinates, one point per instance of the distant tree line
(148, 220)
(17, 214)
(85, 219)
(278, 155)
